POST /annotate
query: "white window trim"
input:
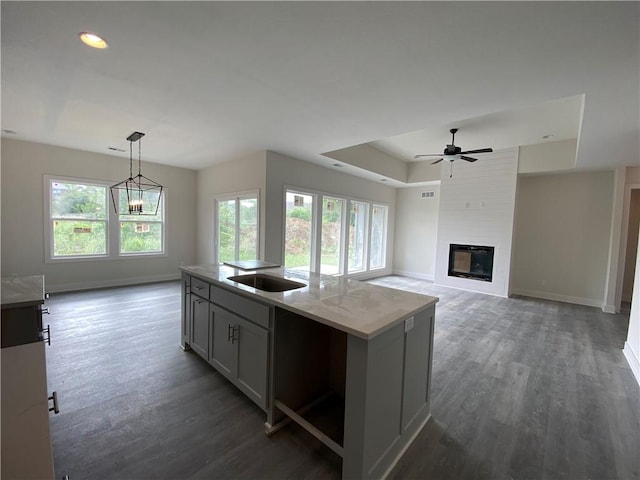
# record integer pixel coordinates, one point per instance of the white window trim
(318, 197)
(243, 195)
(113, 233)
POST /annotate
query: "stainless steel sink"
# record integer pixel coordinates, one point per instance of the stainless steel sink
(265, 282)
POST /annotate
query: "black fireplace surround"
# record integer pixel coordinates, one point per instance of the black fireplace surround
(471, 261)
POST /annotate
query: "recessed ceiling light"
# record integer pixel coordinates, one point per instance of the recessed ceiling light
(547, 136)
(93, 40)
(116, 149)
(8, 132)
(383, 179)
(337, 165)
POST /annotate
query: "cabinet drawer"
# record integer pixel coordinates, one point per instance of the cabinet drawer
(200, 288)
(257, 312)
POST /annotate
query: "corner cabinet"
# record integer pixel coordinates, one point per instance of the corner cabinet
(231, 332)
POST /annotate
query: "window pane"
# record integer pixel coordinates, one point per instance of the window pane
(298, 231)
(226, 230)
(79, 237)
(378, 236)
(73, 200)
(357, 235)
(140, 237)
(331, 235)
(149, 200)
(248, 229)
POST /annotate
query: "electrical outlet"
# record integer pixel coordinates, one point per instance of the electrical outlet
(408, 324)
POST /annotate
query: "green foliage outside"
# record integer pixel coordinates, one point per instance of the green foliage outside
(248, 231)
(79, 237)
(132, 241)
(79, 226)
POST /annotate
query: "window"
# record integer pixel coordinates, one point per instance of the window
(78, 219)
(298, 230)
(79, 226)
(142, 233)
(237, 227)
(378, 237)
(332, 241)
(358, 224)
(333, 235)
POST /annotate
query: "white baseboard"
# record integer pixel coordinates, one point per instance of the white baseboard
(633, 360)
(120, 282)
(589, 302)
(418, 275)
(609, 309)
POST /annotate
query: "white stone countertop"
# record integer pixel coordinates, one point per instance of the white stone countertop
(22, 291)
(354, 307)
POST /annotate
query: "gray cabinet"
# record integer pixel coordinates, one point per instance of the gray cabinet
(417, 352)
(185, 327)
(231, 332)
(223, 348)
(240, 351)
(199, 339)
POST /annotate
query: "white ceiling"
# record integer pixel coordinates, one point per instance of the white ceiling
(557, 120)
(208, 81)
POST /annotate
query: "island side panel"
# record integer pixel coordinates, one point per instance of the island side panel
(385, 376)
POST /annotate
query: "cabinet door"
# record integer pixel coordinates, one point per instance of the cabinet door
(417, 358)
(200, 326)
(253, 348)
(223, 348)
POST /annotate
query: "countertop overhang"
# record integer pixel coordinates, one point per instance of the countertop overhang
(354, 307)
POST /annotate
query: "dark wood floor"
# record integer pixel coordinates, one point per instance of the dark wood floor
(521, 389)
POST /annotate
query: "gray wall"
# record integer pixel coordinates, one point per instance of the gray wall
(234, 176)
(24, 165)
(561, 239)
(416, 232)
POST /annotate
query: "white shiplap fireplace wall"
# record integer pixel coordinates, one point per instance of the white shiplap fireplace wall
(477, 208)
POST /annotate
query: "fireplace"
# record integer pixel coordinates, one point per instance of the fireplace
(471, 261)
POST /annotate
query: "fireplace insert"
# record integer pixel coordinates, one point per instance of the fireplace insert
(471, 261)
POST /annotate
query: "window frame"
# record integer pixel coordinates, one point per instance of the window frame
(237, 197)
(112, 225)
(316, 227)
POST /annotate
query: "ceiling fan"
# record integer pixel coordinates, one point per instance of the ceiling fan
(452, 152)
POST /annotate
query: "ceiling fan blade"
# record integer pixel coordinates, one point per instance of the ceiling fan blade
(468, 159)
(428, 155)
(481, 150)
(437, 161)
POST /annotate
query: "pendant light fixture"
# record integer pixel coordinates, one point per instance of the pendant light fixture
(137, 195)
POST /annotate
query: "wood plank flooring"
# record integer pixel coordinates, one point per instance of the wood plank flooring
(521, 389)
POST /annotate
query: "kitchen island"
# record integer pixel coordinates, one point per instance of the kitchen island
(348, 361)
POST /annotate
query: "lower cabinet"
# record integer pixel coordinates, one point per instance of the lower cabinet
(229, 331)
(200, 326)
(240, 351)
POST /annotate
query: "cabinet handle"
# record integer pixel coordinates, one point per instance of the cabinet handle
(199, 287)
(236, 331)
(229, 333)
(45, 310)
(47, 339)
(55, 408)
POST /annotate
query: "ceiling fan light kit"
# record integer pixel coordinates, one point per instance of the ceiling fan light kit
(451, 153)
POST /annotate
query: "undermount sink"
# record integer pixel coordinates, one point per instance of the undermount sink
(265, 282)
